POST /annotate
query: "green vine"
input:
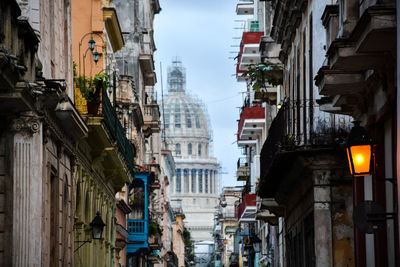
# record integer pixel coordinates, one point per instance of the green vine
(153, 227)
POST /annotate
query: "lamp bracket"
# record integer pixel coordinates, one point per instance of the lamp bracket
(83, 243)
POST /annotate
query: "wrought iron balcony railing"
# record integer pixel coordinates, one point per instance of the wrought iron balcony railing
(117, 131)
(301, 124)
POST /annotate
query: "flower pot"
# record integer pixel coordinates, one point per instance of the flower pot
(93, 107)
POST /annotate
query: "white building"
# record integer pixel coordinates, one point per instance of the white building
(188, 135)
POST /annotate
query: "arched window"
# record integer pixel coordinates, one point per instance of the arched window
(190, 149)
(178, 149)
(199, 149)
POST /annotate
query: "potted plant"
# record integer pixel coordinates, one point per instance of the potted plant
(91, 90)
(263, 73)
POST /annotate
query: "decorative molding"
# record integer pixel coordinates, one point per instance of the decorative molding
(27, 123)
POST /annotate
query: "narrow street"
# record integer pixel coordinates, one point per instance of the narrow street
(215, 133)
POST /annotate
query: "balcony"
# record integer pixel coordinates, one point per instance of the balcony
(117, 131)
(138, 228)
(369, 45)
(108, 137)
(246, 211)
(243, 170)
(249, 50)
(251, 124)
(147, 66)
(155, 242)
(287, 141)
(151, 119)
(245, 8)
(154, 256)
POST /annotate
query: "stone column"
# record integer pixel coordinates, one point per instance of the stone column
(322, 219)
(26, 175)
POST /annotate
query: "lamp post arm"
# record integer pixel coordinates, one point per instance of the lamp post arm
(83, 243)
(80, 44)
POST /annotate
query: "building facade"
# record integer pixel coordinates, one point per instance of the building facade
(188, 135)
(319, 68)
(39, 129)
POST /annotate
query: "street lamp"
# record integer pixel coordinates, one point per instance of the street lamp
(96, 56)
(97, 226)
(359, 150)
(92, 44)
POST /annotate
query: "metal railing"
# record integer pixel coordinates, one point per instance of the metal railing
(117, 131)
(305, 124)
(137, 226)
(301, 124)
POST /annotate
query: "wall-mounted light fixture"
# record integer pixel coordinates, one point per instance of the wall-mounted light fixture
(360, 151)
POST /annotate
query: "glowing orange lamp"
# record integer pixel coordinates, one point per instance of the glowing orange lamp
(360, 151)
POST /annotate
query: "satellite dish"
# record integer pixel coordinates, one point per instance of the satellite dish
(369, 217)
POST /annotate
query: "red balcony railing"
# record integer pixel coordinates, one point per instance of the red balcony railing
(248, 203)
(248, 113)
(252, 37)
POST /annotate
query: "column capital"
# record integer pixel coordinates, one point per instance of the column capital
(27, 123)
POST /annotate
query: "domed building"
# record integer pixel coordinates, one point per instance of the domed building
(188, 135)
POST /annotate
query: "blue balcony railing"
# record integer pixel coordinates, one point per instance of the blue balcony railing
(139, 228)
(117, 131)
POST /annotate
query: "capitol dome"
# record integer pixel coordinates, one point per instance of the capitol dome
(188, 135)
(185, 116)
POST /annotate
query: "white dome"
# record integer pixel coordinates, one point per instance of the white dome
(184, 117)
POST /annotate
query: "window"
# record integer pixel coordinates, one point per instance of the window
(177, 120)
(206, 181)
(186, 175)
(190, 149)
(193, 180)
(197, 121)
(300, 243)
(211, 182)
(178, 181)
(199, 149)
(178, 149)
(166, 121)
(188, 118)
(177, 116)
(200, 181)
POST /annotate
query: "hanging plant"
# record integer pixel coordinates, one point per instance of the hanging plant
(261, 74)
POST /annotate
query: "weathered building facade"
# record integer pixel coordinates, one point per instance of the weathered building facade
(358, 78)
(39, 129)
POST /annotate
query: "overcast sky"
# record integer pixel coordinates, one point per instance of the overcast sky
(202, 34)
